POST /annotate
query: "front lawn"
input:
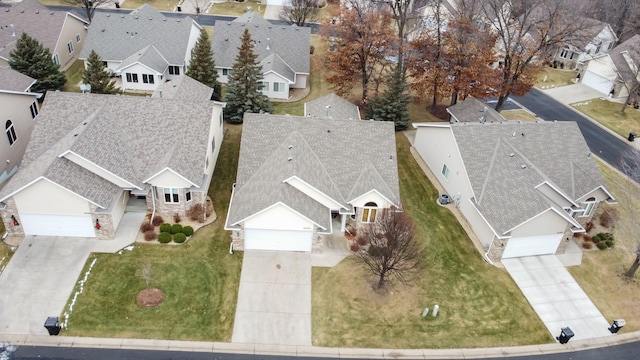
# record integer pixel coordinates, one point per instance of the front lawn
(555, 77)
(199, 279)
(480, 305)
(235, 8)
(608, 114)
(74, 76)
(518, 115)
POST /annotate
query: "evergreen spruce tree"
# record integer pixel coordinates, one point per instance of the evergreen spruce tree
(393, 104)
(34, 60)
(202, 67)
(242, 91)
(97, 76)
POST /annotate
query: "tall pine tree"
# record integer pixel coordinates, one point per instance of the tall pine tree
(202, 67)
(97, 76)
(34, 60)
(393, 104)
(242, 91)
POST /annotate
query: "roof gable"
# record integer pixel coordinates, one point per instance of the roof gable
(14, 81)
(331, 106)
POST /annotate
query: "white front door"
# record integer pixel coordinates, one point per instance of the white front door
(532, 245)
(284, 240)
(57, 225)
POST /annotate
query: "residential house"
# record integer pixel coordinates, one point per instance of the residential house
(183, 87)
(330, 106)
(596, 39)
(18, 112)
(524, 187)
(144, 48)
(283, 52)
(473, 110)
(295, 180)
(615, 73)
(61, 32)
(90, 154)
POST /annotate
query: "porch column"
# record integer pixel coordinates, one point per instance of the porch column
(343, 222)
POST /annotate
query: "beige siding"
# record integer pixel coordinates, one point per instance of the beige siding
(279, 217)
(169, 179)
(139, 70)
(301, 81)
(598, 193)
(480, 227)
(272, 78)
(97, 170)
(70, 29)
(547, 223)
(372, 196)
(118, 209)
(44, 197)
(14, 107)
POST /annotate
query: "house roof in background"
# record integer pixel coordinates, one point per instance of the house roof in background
(14, 81)
(473, 110)
(628, 50)
(338, 108)
(183, 88)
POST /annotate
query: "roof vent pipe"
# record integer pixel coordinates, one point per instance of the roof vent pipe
(13, 30)
(268, 43)
(326, 111)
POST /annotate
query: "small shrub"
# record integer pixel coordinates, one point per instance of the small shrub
(195, 212)
(586, 237)
(596, 239)
(179, 238)
(610, 243)
(146, 226)
(177, 218)
(187, 230)
(176, 228)
(150, 235)
(166, 227)
(602, 245)
(157, 220)
(312, 49)
(164, 237)
(354, 247)
(608, 218)
(587, 245)
(577, 235)
(588, 226)
(606, 236)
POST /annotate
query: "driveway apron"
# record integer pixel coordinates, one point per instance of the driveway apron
(274, 299)
(556, 297)
(570, 94)
(38, 280)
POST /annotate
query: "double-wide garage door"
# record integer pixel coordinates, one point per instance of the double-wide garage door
(287, 240)
(57, 225)
(531, 246)
(597, 82)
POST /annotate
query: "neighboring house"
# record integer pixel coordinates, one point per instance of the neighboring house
(473, 110)
(183, 87)
(282, 50)
(294, 177)
(18, 111)
(596, 39)
(524, 187)
(143, 47)
(616, 72)
(61, 32)
(331, 106)
(90, 153)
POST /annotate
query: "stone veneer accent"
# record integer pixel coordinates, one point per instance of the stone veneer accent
(10, 209)
(169, 210)
(497, 249)
(237, 239)
(106, 231)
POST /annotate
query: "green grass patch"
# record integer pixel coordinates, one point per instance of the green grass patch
(74, 76)
(518, 115)
(555, 77)
(160, 5)
(199, 279)
(608, 114)
(236, 8)
(480, 305)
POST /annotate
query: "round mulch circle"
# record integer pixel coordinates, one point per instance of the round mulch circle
(150, 297)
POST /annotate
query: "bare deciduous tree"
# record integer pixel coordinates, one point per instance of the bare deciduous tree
(89, 6)
(628, 206)
(301, 12)
(146, 273)
(200, 6)
(389, 248)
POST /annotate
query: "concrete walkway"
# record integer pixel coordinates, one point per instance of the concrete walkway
(556, 297)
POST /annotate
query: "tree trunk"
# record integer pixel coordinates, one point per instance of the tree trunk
(626, 102)
(501, 101)
(454, 98)
(380, 280)
(634, 267)
(434, 102)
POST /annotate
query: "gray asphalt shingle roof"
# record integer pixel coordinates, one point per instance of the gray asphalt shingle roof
(14, 81)
(340, 107)
(276, 148)
(631, 48)
(473, 110)
(148, 56)
(275, 63)
(129, 136)
(116, 37)
(183, 88)
(506, 161)
(291, 43)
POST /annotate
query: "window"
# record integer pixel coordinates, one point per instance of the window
(565, 53)
(132, 77)
(598, 48)
(187, 194)
(34, 110)
(147, 79)
(56, 59)
(226, 72)
(278, 87)
(610, 46)
(174, 70)
(104, 64)
(213, 144)
(11, 132)
(77, 37)
(70, 47)
(445, 171)
(128, 77)
(263, 85)
(589, 205)
(369, 212)
(171, 195)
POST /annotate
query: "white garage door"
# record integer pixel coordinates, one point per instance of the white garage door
(287, 240)
(532, 245)
(57, 225)
(597, 82)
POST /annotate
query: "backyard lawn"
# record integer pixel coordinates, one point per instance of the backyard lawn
(235, 8)
(608, 114)
(74, 76)
(199, 279)
(480, 305)
(555, 77)
(518, 115)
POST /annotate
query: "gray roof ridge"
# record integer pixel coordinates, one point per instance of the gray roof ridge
(366, 172)
(480, 195)
(584, 173)
(531, 163)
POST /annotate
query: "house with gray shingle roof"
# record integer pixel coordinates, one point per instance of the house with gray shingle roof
(294, 182)
(594, 39)
(283, 52)
(143, 47)
(183, 87)
(61, 32)
(331, 105)
(524, 187)
(18, 112)
(89, 154)
(473, 110)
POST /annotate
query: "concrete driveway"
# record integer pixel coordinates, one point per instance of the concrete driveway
(274, 300)
(38, 280)
(556, 297)
(574, 93)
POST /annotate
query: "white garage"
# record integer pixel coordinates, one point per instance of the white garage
(57, 225)
(286, 240)
(532, 245)
(597, 82)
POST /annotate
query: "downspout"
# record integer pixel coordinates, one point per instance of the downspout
(204, 207)
(486, 254)
(153, 202)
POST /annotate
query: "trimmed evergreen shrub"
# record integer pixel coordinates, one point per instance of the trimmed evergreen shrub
(179, 238)
(610, 243)
(166, 227)
(596, 239)
(176, 228)
(164, 237)
(187, 230)
(606, 236)
(602, 245)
